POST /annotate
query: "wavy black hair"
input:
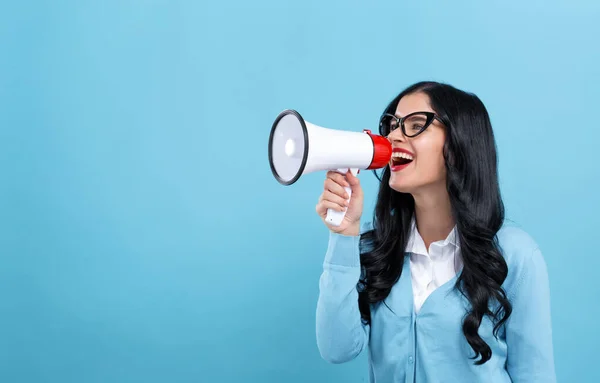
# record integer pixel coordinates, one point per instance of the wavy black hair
(477, 208)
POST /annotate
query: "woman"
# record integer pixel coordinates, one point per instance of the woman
(435, 287)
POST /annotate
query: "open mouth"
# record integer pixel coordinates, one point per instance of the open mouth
(401, 159)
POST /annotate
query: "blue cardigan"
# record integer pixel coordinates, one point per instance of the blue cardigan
(430, 346)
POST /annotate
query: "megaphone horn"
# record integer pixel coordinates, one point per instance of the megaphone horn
(297, 147)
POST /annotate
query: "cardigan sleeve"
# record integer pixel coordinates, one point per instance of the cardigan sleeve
(341, 334)
(529, 329)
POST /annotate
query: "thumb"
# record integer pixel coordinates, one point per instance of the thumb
(353, 181)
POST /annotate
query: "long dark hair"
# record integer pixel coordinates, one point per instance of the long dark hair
(477, 208)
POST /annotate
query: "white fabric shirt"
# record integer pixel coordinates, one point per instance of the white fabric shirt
(431, 269)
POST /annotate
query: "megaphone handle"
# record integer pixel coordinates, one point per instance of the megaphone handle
(334, 217)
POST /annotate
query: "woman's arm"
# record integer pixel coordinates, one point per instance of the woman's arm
(529, 329)
(341, 335)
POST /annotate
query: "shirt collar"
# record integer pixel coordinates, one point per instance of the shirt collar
(416, 244)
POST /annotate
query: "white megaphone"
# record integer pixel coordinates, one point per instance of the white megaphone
(297, 147)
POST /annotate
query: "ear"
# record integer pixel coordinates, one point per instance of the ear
(449, 157)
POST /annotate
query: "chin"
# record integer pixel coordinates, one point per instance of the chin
(414, 187)
(401, 187)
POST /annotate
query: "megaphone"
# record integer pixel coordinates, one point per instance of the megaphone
(297, 147)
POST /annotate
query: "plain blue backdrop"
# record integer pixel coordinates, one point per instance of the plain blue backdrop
(142, 235)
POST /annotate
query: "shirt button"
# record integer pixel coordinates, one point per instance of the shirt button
(410, 360)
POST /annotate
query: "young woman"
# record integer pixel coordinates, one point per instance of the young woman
(436, 287)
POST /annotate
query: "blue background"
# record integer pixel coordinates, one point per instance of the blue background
(142, 235)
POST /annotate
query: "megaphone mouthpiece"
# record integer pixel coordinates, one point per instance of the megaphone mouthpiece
(382, 151)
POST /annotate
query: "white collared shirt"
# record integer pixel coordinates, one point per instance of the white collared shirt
(431, 269)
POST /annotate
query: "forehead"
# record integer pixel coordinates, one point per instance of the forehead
(416, 102)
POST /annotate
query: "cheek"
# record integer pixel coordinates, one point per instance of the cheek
(431, 159)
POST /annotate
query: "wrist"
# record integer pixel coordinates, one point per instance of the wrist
(351, 231)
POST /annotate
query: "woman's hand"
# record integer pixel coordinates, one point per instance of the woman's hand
(335, 197)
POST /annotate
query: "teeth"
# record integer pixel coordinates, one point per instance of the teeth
(402, 155)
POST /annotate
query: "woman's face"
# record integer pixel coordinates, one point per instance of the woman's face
(427, 168)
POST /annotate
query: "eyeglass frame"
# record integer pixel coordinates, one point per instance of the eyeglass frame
(400, 122)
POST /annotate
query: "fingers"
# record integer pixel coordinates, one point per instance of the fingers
(330, 200)
(324, 205)
(347, 179)
(338, 178)
(334, 195)
(331, 197)
(336, 186)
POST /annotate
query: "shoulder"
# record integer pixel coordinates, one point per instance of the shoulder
(515, 244)
(522, 254)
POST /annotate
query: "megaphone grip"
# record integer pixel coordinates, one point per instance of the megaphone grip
(334, 217)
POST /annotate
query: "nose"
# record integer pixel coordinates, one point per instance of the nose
(396, 136)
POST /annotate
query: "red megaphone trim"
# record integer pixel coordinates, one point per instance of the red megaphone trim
(382, 151)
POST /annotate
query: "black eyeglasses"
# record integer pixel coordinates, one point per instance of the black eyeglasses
(412, 125)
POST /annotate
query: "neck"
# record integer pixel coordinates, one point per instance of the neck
(433, 215)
